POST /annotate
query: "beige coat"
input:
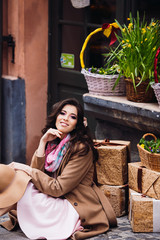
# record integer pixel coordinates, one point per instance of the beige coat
(75, 183)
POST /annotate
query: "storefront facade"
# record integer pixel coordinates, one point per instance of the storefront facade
(34, 75)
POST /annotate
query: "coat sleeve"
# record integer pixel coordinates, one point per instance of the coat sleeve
(73, 173)
(37, 162)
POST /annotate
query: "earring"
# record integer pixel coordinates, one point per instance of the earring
(85, 122)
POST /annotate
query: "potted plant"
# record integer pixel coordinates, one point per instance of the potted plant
(156, 84)
(149, 151)
(101, 81)
(152, 146)
(135, 55)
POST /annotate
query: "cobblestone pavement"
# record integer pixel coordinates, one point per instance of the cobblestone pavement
(123, 231)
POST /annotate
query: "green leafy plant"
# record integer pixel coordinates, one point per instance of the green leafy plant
(152, 146)
(137, 47)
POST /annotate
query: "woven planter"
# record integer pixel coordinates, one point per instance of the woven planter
(100, 84)
(141, 95)
(149, 160)
(103, 84)
(80, 3)
(156, 85)
(156, 88)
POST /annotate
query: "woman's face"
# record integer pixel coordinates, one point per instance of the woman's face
(67, 119)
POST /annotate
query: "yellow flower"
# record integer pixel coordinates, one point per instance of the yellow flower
(123, 41)
(145, 39)
(123, 29)
(130, 25)
(153, 23)
(148, 27)
(141, 41)
(128, 19)
(143, 30)
(129, 45)
(127, 40)
(154, 48)
(142, 145)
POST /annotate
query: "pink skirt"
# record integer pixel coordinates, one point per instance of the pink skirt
(44, 217)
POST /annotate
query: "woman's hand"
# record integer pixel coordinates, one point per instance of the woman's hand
(20, 166)
(50, 135)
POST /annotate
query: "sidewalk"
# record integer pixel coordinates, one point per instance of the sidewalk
(123, 231)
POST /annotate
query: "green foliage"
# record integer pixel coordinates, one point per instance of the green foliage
(151, 146)
(137, 47)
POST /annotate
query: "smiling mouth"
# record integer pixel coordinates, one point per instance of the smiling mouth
(64, 124)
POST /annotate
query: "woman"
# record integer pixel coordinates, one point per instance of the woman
(61, 200)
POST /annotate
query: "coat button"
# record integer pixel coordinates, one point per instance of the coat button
(75, 204)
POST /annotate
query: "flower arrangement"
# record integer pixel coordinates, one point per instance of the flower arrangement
(114, 69)
(137, 47)
(101, 81)
(152, 146)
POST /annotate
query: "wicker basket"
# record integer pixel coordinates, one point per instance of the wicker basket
(80, 3)
(156, 88)
(156, 85)
(149, 160)
(141, 95)
(101, 84)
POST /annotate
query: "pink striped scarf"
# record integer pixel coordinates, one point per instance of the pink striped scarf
(55, 152)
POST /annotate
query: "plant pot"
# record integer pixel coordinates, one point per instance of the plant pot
(141, 94)
(156, 88)
(80, 3)
(103, 84)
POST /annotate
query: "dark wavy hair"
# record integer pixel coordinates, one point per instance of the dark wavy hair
(81, 133)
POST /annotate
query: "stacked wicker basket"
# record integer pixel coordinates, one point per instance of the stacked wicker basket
(144, 190)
